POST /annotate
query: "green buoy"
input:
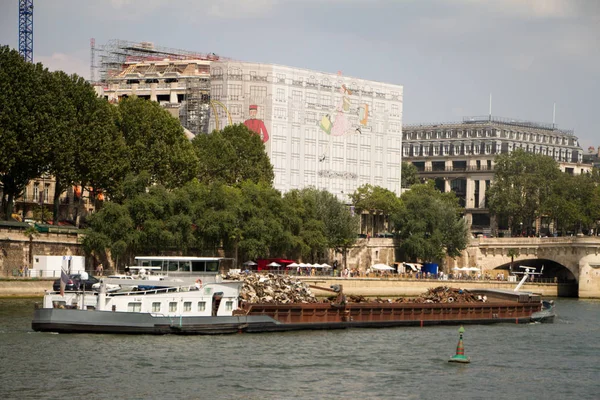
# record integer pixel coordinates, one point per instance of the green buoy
(459, 357)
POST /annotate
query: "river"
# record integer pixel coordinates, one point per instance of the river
(508, 361)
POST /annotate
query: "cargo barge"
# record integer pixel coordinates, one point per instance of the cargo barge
(218, 308)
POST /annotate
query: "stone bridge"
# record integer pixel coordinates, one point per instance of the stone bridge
(570, 257)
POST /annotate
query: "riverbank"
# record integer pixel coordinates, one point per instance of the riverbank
(369, 287)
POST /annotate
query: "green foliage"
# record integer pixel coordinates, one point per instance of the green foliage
(429, 224)
(26, 116)
(318, 221)
(156, 143)
(522, 185)
(376, 200)
(232, 156)
(409, 175)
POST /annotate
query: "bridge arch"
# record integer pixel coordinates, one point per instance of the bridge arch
(549, 269)
(575, 257)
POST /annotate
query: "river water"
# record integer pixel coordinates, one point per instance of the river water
(508, 361)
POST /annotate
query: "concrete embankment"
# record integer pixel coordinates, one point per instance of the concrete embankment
(371, 287)
(24, 287)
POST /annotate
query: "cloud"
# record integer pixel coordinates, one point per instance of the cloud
(539, 9)
(239, 9)
(69, 63)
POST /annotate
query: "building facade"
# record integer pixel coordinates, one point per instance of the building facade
(323, 130)
(460, 156)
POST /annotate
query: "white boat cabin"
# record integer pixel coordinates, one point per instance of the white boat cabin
(212, 299)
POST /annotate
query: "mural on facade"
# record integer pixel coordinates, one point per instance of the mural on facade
(341, 125)
(213, 105)
(256, 125)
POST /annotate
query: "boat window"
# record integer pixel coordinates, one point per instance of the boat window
(229, 305)
(156, 307)
(185, 266)
(59, 304)
(173, 265)
(198, 266)
(212, 266)
(173, 306)
(134, 307)
(187, 306)
(201, 306)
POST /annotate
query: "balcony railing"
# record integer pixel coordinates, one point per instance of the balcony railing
(469, 168)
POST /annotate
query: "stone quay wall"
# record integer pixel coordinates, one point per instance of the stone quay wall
(16, 249)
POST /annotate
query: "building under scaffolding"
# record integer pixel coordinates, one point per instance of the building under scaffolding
(179, 80)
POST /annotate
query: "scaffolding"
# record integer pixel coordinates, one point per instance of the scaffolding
(122, 60)
(110, 59)
(195, 109)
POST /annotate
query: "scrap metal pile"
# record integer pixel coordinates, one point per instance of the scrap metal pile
(445, 294)
(441, 294)
(273, 289)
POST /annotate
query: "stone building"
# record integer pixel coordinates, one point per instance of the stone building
(460, 156)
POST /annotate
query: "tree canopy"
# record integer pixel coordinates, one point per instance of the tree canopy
(232, 156)
(429, 225)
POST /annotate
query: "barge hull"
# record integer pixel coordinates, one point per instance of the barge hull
(80, 321)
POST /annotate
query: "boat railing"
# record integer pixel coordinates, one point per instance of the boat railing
(160, 290)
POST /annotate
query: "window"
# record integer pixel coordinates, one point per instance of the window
(229, 305)
(297, 96)
(446, 149)
(201, 306)
(173, 306)
(258, 93)
(281, 94)
(187, 306)
(134, 307)
(217, 92)
(234, 92)
(235, 109)
(406, 151)
(311, 98)
(36, 192)
(156, 306)
(395, 109)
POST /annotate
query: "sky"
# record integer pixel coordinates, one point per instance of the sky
(532, 56)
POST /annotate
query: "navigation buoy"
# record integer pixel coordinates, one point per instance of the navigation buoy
(459, 357)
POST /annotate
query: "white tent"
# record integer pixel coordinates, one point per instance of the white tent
(382, 267)
(293, 265)
(273, 264)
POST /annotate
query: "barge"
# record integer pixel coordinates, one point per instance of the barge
(218, 308)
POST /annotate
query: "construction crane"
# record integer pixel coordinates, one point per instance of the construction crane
(26, 29)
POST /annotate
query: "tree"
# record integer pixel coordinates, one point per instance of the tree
(156, 143)
(377, 201)
(111, 234)
(572, 205)
(74, 106)
(26, 119)
(522, 183)
(409, 174)
(232, 156)
(318, 221)
(429, 224)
